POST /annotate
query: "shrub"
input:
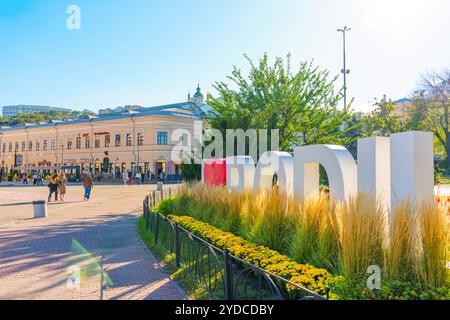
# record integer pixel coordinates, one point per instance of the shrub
(355, 288)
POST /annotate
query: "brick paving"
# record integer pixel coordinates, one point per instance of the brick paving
(35, 254)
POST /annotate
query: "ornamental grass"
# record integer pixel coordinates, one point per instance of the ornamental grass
(410, 245)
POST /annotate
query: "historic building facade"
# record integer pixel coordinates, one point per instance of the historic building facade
(134, 140)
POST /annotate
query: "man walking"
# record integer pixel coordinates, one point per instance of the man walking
(53, 187)
(88, 184)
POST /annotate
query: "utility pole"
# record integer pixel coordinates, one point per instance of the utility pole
(344, 71)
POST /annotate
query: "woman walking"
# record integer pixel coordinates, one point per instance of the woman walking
(125, 178)
(53, 187)
(88, 184)
(62, 187)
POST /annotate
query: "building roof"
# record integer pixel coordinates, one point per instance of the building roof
(403, 100)
(187, 110)
(198, 92)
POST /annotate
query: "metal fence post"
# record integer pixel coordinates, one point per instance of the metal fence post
(154, 198)
(145, 214)
(228, 280)
(155, 231)
(177, 245)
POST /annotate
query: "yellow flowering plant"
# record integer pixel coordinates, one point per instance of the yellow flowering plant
(312, 278)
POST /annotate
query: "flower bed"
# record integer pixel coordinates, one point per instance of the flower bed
(314, 279)
(341, 240)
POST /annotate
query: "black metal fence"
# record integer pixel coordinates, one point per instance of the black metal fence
(221, 274)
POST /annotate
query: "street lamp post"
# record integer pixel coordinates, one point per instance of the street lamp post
(344, 71)
(62, 156)
(138, 155)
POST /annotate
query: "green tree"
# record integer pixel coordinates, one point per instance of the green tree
(431, 108)
(382, 121)
(302, 105)
(190, 172)
(38, 117)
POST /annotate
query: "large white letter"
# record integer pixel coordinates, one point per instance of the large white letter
(412, 167)
(240, 173)
(272, 162)
(338, 163)
(374, 170)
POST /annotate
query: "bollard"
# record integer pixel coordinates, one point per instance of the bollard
(40, 209)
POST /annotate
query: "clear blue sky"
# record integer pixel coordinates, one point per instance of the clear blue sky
(152, 52)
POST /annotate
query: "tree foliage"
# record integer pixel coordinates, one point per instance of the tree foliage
(190, 172)
(382, 121)
(38, 117)
(301, 104)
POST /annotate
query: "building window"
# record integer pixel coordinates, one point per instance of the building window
(16, 146)
(4, 147)
(107, 141)
(38, 145)
(78, 143)
(53, 144)
(97, 142)
(117, 141)
(45, 145)
(10, 147)
(87, 142)
(30, 145)
(161, 137)
(140, 139)
(69, 144)
(185, 139)
(129, 140)
(24, 146)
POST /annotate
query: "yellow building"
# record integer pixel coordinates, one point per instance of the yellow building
(108, 144)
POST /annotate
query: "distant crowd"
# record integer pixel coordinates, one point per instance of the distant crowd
(58, 181)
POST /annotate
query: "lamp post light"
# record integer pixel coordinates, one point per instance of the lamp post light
(344, 71)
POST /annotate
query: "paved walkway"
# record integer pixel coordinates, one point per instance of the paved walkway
(37, 254)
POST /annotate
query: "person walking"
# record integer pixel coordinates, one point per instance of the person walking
(124, 178)
(143, 177)
(53, 187)
(35, 179)
(130, 178)
(161, 176)
(62, 187)
(138, 178)
(25, 178)
(88, 184)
